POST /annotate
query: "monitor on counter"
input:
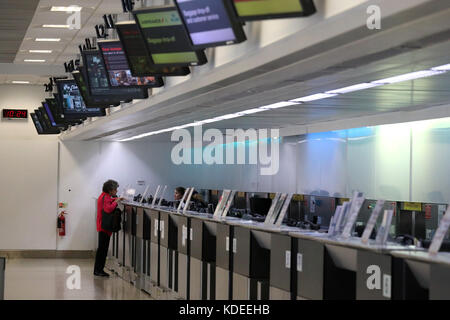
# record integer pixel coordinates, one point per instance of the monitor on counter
(72, 102)
(249, 10)
(97, 80)
(166, 37)
(119, 74)
(138, 58)
(210, 23)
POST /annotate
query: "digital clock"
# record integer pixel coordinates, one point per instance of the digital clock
(15, 114)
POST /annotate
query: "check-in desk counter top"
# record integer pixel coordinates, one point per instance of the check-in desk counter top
(330, 268)
(425, 276)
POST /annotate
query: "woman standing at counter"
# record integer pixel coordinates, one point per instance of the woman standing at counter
(106, 204)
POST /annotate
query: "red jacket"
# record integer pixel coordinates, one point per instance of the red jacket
(108, 205)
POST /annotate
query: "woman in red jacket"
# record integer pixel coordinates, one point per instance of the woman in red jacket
(107, 202)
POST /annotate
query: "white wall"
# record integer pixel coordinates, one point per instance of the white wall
(28, 175)
(85, 166)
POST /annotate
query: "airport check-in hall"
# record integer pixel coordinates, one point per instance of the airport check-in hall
(225, 150)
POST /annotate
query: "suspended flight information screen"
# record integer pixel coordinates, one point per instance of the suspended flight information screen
(119, 72)
(273, 9)
(210, 23)
(166, 38)
(139, 61)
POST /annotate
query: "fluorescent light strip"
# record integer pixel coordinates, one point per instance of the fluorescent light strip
(61, 26)
(328, 94)
(314, 97)
(21, 82)
(40, 51)
(278, 105)
(33, 60)
(445, 67)
(356, 87)
(408, 76)
(48, 39)
(66, 9)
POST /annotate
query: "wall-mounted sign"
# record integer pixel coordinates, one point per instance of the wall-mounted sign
(15, 113)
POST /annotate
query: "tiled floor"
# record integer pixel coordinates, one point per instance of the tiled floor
(45, 279)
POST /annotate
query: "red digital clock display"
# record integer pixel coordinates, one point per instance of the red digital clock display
(15, 114)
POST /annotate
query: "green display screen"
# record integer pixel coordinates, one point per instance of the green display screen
(166, 37)
(140, 63)
(266, 9)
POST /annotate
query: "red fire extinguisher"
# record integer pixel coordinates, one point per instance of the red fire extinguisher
(62, 223)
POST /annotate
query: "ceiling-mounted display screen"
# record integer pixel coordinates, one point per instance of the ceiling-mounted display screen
(138, 58)
(119, 74)
(166, 37)
(80, 79)
(37, 124)
(51, 117)
(210, 23)
(72, 102)
(249, 10)
(97, 81)
(46, 129)
(57, 112)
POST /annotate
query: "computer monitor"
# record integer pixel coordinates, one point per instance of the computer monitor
(260, 206)
(119, 73)
(167, 40)
(97, 80)
(210, 23)
(250, 10)
(138, 58)
(72, 102)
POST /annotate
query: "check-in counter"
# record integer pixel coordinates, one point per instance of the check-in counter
(142, 248)
(202, 259)
(184, 236)
(2, 278)
(345, 269)
(224, 262)
(283, 284)
(168, 251)
(423, 276)
(251, 264)
(130, 238)
(155, 239)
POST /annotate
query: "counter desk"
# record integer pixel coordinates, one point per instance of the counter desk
(201, 257)
(423, 275)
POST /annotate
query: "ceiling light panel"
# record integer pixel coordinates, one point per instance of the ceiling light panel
(66, 9)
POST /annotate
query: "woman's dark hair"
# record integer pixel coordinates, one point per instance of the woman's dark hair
(180, 190)
(110, 185)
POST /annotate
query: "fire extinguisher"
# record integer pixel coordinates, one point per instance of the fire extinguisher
(62, 223)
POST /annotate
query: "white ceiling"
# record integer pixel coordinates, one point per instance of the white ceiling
(62, 51)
